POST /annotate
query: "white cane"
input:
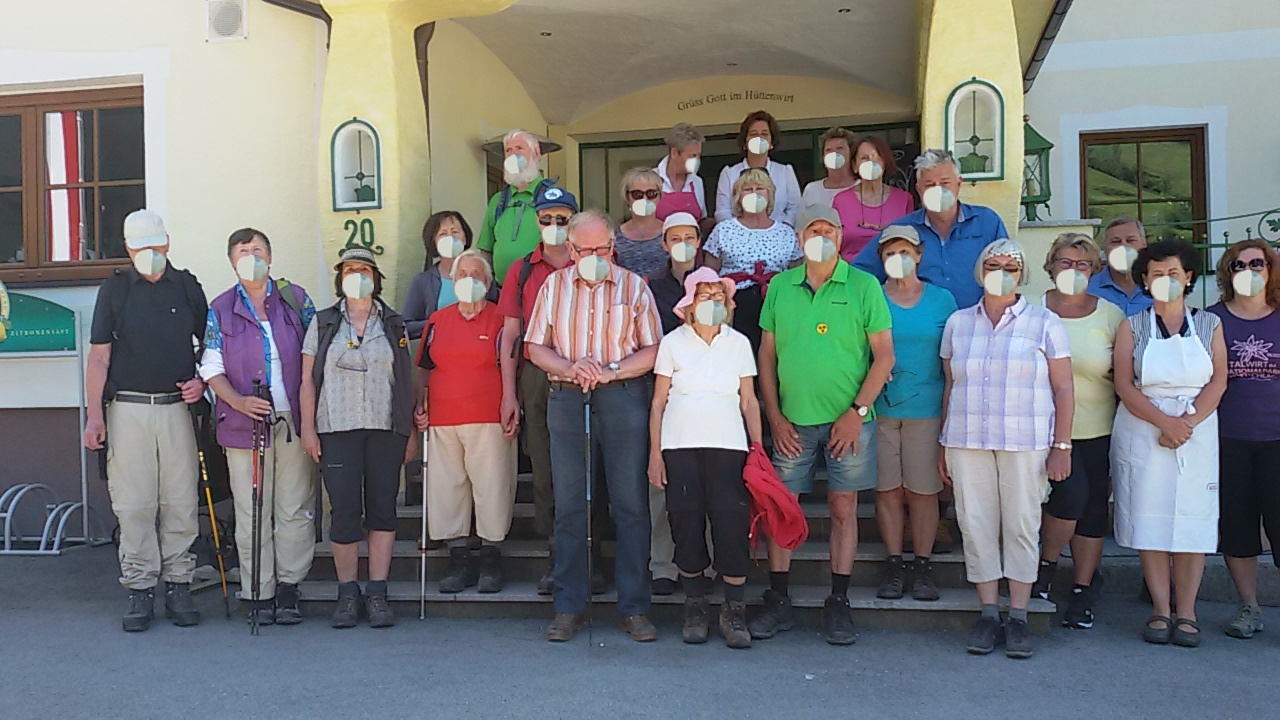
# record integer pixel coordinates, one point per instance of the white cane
(422, 539)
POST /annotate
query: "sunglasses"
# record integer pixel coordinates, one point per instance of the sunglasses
(1254, 264)
(547, 221)
(992, 267)
(649, 194)
(602, 251)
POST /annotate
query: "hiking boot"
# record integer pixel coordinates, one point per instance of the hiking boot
(1248, 620)
(1079, 614)
(775, 616)
(895, 580)
(837, 621)
(984, 636)
(924, 588)
(696, 623)
(663, 586)
(490, 574)
(1017, 639)
(548, 582)
(640, 628)
(178, 606)
(563, 626)
(462, 571)
(733, 625)
(347, 614)
(262, 612)
(142, 603)
(1044, 580)
(379, 611)
(287, 612)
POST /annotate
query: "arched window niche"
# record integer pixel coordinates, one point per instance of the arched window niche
(975, 129)
(357, 167)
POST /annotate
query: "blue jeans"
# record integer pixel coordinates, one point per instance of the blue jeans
(853, 473)
(620, 440)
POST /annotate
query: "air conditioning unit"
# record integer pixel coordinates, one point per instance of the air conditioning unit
(226, 20)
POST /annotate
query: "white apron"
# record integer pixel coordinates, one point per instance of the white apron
(1166, 499)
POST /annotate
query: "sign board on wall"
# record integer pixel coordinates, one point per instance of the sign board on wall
(712, 98)
(32, 324)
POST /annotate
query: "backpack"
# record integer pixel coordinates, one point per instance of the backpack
(190, 287)
(526, 269)
(290, 297)
(504, 197)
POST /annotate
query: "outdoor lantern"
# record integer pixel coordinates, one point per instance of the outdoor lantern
(356, 154)
(1035, 170)
(975, 129)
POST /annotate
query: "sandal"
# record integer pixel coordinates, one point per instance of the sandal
(1184, 638)
(1158, 635)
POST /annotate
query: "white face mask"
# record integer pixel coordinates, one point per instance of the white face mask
(757, 146)
(554, 235)
(468, 289)
(643, 207)
(450, 246)
(938, 199)
(754, 202)
(683, 252)
(515, 163)
(1248, 283)
(692, 164)
(149, 261)
(1121, 258)
(710, 312)
(899, 266)
(593, 268)
(833, 160)
(819, 249)
(357, 286)
(1166, 289)
(870, 170)
(1071, 282)
(251, 268)
(999, 283)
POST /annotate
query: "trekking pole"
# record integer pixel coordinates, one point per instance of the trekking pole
(260, 428)
(213, 519)
(422, 539)
(586, 423)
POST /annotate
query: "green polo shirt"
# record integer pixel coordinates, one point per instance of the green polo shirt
(822, 339)
(513, 235)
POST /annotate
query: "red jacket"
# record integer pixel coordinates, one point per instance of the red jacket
(772, 504)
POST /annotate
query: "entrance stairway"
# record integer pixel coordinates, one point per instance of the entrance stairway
(525, 559)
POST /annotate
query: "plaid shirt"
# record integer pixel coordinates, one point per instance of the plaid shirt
(1000, 394)
(608, 321)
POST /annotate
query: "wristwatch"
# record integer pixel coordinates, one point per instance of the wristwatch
(1061, 446)
(616, 370)
(862, 410)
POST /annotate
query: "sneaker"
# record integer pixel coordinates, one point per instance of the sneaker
(924, 588)
(178, 606)
(895, 580)
(733, 625)
(663, 586)
(262, 613)
(775, 616)
(837, 621)
(379, 611)
(462, 571)
(640, 628)
(985, 634)
(347, 614)
(1044, 580)
(287, 612)
(563, 626)
(696, 623)
(1248, 620)
(142, 603)
(489, 577)
(1079, 614)
(1017, 639)
(547, 583)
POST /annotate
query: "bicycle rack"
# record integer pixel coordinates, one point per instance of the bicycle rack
(53, 536)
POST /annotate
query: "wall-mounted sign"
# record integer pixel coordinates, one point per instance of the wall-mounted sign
(32, 324)
(360, 234)
(975, 127)
(357, 166)
(753, 95)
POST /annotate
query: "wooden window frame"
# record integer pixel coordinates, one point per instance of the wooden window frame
(31, 107)
(1195, 134)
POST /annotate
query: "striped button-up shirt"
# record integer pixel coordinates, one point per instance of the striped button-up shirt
(608, 321)
(1000, 395)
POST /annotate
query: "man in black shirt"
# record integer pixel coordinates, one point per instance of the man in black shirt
(144, 345)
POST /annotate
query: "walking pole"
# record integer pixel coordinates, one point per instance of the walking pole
(213, 519)
(422, 539)
(260, 428)
(586, 423)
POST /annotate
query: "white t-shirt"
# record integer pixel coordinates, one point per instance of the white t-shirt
(815, 193)
(703, 408)
(739, 248)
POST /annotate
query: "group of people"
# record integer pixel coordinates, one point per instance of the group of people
(836, 324)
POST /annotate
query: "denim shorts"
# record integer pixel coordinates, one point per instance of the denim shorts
(853, 473)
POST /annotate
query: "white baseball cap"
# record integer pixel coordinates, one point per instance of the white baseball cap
(678, 219)
(144, 229)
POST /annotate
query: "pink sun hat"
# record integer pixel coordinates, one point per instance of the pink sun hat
(703, 275)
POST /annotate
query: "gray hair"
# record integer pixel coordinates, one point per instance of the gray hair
(1119, 220)
(475, 254)
(682, 135)
(513, 134)
(587, 216)
(935, 157)
(1003, 247)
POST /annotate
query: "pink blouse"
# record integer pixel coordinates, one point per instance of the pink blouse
(862, 223)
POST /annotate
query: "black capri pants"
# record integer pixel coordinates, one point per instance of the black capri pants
(1083, 495)
(361, 471)
(1248, 492)
(707, 483)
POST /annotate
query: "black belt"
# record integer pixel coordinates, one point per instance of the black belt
(148, 398)
(562, 385)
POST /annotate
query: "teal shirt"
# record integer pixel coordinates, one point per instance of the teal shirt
(915, 388)
(447, 295)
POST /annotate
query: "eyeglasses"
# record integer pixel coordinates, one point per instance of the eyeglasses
(1081, 265)
(547, 221)
(721, 296)
(602, 251)
(992, 267)
(649, 194)
(1254, 264)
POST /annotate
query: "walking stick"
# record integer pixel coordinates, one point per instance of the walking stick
(260, 429)
(213, 519)
(586, 422)
(422, 539)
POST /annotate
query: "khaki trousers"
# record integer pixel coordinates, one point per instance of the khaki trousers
(470, 468)
(998, 498)
(662, 548)
(288, 511)
(152, 477)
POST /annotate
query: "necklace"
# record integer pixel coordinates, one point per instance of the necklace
(879, 223)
